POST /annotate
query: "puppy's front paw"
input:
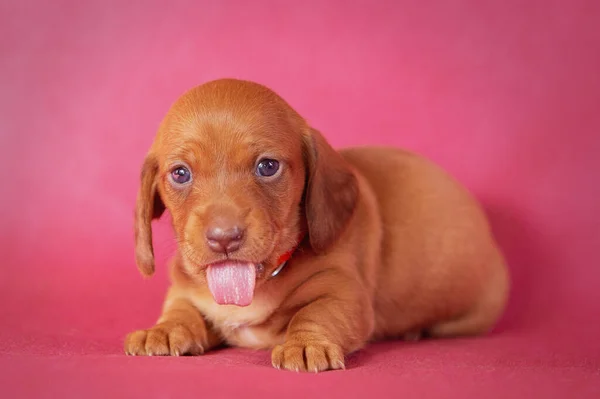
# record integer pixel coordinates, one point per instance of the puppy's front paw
(309, 356)
(162, 340)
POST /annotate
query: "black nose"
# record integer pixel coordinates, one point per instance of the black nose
(224, 239)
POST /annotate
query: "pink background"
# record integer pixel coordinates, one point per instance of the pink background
(503, 94)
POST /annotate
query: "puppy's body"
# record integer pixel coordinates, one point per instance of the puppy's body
(391, 247)
(436, 244)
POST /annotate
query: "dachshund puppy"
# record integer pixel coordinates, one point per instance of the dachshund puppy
(285, 243)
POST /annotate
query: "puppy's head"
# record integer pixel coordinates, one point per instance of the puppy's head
(243, 177)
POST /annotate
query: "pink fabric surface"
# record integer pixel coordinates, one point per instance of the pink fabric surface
(504, 94)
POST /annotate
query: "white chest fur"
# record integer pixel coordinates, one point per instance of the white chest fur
(241, 326)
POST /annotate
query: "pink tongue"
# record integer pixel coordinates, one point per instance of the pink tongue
(232, 283)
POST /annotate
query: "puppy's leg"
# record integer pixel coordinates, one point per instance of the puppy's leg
(485, 313)
(181, 330)
(476, 322)
(321, 333)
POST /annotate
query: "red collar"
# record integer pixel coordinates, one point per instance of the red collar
(283, 258)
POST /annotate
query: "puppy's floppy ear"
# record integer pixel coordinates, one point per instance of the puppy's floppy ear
(331, 192)
(148, 206)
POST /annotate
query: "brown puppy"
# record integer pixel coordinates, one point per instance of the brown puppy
(383, 243)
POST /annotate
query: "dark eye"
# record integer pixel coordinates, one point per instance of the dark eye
(181, 175)
(267, 167)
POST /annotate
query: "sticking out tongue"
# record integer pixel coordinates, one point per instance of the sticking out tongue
(232, 283)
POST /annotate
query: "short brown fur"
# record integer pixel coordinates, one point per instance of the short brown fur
(393, 248)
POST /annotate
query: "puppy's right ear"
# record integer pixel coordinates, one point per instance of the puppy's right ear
(148, 206)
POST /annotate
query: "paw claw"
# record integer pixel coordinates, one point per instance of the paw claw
(312, 357)
(163, 339)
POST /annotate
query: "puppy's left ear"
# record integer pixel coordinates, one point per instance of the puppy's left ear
(331, 192)
(148, 206)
